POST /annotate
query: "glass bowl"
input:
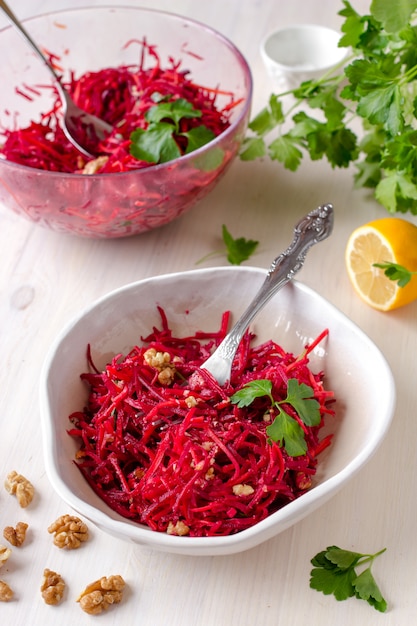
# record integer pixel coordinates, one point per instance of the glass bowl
(353, 366)
(117, 204)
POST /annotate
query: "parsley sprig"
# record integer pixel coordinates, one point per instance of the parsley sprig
(158, 142)
(396, 272)
(335, 572)
(237, 249)
(285, 428)
(377, 86)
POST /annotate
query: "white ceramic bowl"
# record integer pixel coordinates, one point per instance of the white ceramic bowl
(301, 52)
(355, 369)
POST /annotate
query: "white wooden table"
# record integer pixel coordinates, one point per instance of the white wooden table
(45, 278)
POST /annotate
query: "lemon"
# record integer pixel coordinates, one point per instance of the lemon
(386, 240)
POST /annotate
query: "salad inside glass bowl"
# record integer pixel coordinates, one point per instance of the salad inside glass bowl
(177, 92)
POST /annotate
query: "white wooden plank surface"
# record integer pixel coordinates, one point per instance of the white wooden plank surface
(45, 278)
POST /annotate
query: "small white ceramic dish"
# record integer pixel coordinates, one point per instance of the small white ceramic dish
(301, 52)
(355, 369)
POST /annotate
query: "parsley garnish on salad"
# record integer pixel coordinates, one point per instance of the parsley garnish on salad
(160, 141)
(169, 116)
(285, 428)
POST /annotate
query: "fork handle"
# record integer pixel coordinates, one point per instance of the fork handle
(313, 228)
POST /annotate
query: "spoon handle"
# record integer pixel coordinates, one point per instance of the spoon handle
(7, 10)
(313, 228)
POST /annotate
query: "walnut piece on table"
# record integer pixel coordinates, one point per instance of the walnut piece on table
(69, 532)
(6, 593)
(18, 485)
(52, 587)
(101, 594)
(4, 554)
(16, 536)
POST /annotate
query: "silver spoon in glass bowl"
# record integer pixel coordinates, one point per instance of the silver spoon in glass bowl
(82, 129)
(314, 227)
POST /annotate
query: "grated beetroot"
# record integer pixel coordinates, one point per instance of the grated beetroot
(121, 96)
(161, 443)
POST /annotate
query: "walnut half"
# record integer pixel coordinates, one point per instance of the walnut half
(101, 594)
(69, 532)
(16, 536)
(53, 587)
(18, 485)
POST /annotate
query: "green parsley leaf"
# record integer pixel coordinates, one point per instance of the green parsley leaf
(304, 125)
(250, 391)
(252, 148)
(367, 589)
(288, 432)
(383, 106)
(353, 27)
(386, 191)
(268, 117)
(321, 559)
(174, 110)
(198, 137)
(336, 582)
(335, 572)
(157, 143)
(394, 16)
(238, 250)
(343, 559)
(299, 396)
(393, 187)
(285, 429)
(397, 272)
(209, 160)
(284, 149)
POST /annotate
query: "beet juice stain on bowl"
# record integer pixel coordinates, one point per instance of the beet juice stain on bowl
(117, 198)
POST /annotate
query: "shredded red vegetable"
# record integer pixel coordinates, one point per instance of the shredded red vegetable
(120, 96)
(162, 444)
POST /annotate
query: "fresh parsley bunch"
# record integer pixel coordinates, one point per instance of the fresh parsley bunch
(378, 86)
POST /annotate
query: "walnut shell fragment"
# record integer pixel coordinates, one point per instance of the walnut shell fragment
(52, 587)
(18, 485)
(101, 594)
(70, 531)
